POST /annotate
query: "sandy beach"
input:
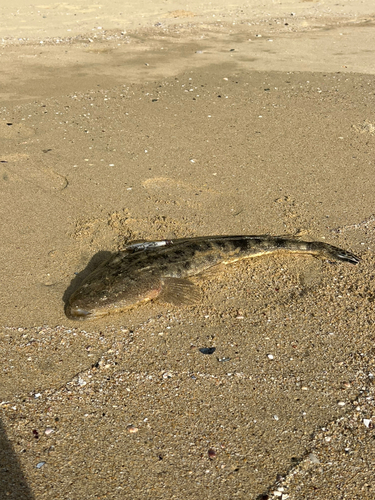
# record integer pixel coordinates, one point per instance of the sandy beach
(162, 120)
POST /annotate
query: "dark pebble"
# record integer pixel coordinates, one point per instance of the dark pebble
(207, 350)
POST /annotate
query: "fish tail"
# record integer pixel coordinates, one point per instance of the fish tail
(333, 253)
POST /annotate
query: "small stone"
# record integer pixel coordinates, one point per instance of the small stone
(341, 403)
(270, 356)
(49, 431)
(211, 453)
(207, 350)
(40, 465)
(313, 458)
(132, 429)
(367, 422)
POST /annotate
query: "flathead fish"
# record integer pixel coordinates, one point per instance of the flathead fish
(144, 271)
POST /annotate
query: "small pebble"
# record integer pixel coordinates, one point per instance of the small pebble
(40, 465)
(48, 431)
(313, 458)
(81, 382)
(211, 453)
(207, 350)
(132, 429)
(270, 356)
(367, 422)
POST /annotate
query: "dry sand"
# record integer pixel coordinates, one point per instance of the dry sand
(162, 120)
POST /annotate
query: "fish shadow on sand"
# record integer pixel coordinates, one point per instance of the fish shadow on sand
(77, 281)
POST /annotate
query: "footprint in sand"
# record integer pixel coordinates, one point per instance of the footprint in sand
(158, 183)
(166, 190)
(179, 193)
(165, 186)
(22, 169)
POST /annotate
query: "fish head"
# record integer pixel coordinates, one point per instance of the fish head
(102, 294)
(82, 306)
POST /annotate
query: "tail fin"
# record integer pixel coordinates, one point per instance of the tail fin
(348, 257)
(339, 254)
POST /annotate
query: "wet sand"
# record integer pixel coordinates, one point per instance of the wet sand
(168, 122)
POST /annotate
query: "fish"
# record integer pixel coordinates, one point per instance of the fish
(149, 270)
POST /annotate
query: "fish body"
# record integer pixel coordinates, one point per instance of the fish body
(161, 269)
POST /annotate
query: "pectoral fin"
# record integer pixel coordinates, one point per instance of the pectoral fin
(179, 291)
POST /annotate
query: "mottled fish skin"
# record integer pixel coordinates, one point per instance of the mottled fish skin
(160, 269)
